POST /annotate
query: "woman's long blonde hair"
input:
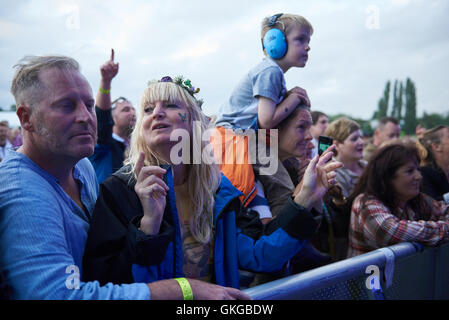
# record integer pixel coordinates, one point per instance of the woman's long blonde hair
(203, 179)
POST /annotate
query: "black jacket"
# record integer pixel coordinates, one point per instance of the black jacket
(434, 182)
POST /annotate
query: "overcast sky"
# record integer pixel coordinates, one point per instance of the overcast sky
(356, 46)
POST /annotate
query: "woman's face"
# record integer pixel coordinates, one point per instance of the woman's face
(159, 121)
(295, 136)
(443, 147)
(406, 181)
(352, 148)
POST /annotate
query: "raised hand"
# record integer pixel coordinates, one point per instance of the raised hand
(152, 191)
(109, 69)
(318, 178)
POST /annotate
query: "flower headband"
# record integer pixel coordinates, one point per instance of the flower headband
(186, 85)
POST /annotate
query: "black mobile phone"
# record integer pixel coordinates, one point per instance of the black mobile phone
(323, 143)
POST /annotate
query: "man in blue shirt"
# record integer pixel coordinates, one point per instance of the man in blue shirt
(48, 191)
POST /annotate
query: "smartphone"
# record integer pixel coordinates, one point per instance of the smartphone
(323, 143)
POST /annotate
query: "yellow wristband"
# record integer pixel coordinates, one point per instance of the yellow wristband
(185, 288)
(104, 91)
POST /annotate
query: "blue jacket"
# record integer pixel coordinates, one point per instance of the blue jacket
(241, 240)
(109, 153)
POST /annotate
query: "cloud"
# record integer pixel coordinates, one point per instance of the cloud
(9, 29)
(214, 45)
(196, 50)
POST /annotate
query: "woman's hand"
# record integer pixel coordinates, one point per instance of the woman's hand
(301, 94)
(318, 178)
(151, 190)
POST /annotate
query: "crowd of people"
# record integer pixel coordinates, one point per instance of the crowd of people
(101, 200)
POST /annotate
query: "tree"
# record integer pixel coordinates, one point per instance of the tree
(13, 108)
(433, 119)
(397, 100)
(383, 102)
(410, 108)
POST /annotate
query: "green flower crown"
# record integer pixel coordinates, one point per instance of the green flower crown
(186, 84)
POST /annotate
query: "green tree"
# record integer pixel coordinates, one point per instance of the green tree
(397, 100)
(383, 103)
(13, 107)
(433, 119)
(410, 121)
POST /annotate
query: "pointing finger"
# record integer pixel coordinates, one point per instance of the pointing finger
(139, 164)
(112, 55)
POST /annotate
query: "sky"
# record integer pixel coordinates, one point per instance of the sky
(356, 47)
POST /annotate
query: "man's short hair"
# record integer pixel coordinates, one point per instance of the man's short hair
(316, 115)
(26, 86)
(383, 121)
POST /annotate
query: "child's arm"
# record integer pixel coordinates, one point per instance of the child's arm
(270, 115)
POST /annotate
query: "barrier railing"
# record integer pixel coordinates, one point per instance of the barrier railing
(402, 271)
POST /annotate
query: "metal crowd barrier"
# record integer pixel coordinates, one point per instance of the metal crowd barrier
(402, 271)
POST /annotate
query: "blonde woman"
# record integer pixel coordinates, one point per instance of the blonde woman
(160, 218)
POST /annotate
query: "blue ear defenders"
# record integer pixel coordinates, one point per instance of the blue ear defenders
(274, 41)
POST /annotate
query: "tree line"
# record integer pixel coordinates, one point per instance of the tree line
(11, 108)
(400, 102)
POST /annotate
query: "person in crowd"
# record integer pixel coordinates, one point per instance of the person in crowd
(319, 126)
(15, 137)
(116, 121)
(388, 207)
(48, 191)
(294, 152)
(435, 162)
(348, 142)
(331, 237)
(4, 142)
(388, 129)
(191, 211)
(261, 100)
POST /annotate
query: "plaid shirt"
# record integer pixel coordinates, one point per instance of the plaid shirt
(374, 226)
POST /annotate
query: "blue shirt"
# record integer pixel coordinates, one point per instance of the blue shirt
(267, 80)
(43, 234)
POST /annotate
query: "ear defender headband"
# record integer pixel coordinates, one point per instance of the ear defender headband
(274, 42)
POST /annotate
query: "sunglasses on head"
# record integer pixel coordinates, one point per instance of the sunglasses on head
(118, 100)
